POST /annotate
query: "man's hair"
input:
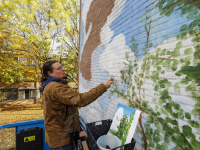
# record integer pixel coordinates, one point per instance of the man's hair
(47, 66)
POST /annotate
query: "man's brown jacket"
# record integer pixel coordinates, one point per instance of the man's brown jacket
(56, 96)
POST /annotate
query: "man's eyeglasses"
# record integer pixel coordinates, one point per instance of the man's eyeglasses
(59, 68)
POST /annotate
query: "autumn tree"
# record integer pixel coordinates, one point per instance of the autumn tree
(12, 70)
(45, 25)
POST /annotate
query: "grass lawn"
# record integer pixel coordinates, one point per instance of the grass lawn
(11, 112)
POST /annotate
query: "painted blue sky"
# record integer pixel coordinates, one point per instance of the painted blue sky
(127, 110)
(162, 27)
(129, 22)
(81, 31)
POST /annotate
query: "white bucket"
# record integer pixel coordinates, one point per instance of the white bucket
(110, 140)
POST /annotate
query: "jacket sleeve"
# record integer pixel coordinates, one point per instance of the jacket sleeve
(68, 96)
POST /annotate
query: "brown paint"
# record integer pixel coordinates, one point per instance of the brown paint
(97, 16)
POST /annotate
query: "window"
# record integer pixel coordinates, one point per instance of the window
(9, 94)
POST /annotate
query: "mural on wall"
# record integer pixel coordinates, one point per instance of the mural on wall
(94, 22)
(162, 77)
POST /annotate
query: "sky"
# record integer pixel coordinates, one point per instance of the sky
(126, 110)
(162, 27)
(123, 27)
(121, 111)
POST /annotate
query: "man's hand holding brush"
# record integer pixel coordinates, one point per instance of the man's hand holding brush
(108, 83)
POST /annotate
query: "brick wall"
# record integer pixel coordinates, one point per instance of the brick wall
(160, 40)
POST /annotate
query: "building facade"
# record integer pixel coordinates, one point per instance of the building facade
(151, 49)
(19, 91)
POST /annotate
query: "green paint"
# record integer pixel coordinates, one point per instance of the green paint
(163, 52)
(178, 45)
(192, 14)
(183, 27)
(147, 67)
(194, 23)
(151, 44)
(194, 124)
(144, 104)
(194, 32)
(158, 49)
(176, 88)
(187, 115)
(188, 59)
(187, 131)
(127, 55)
(163, 72)
(159, 68)
(169, 53)
(176, 52)
(183, 35)
(196, 39)
(195, 144)
(190, 74)
(197, 52)
(174, 67)
(188, 51)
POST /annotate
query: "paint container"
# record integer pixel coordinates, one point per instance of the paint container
(108, 140)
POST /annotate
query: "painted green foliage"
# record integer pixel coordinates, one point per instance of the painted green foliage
(123, 128)
(162, 126)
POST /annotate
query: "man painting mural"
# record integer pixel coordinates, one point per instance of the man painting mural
(60, 104)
